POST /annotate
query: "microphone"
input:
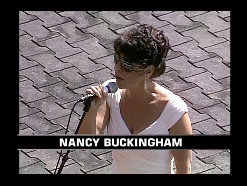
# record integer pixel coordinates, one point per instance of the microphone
(111, 87)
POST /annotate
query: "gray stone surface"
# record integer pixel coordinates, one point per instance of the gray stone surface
(36, 168)
(81, 18)
(207, 40)
(88, 161)
(61, 92)
(219, 113)
(185, 69)
(24, 17)
(175, 38)
(49, 157)
(70, 31)
(37, 30)
(39, 124)
(223, 96)
(72, 78)
(50, 18)
(224, 34)
(215, 66)
(199, 166)
(60, 47)
(206, 82)
(222, 50)
(174, 82)
(92, 48)
(213, 21)
(114, 19)
(192, 51)
(102, 32)
(198, 100)
(179, 19)
(28, 47)
(39, 76)
(62, 53)
(26, 160)
(25, 110)
(49, 61)
(29, 92)
(51, 109)
(194, 13)
(146, 17)
(83, 63)
(196, 116)
(209, 127)
(221, 160)
(24, 63)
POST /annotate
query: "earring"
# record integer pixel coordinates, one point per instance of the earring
(145, 84)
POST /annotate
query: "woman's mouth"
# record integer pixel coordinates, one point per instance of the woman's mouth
(117, 77)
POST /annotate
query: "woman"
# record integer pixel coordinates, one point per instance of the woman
(140, 106)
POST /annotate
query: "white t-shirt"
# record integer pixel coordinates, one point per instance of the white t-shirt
(143, 161)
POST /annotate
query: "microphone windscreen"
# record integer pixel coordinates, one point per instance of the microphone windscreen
(111, 87)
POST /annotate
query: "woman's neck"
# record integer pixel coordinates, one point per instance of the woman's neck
(141, 93)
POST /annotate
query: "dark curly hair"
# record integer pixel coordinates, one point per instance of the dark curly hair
(144, 45)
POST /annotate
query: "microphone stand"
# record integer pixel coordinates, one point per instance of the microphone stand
(87, 103)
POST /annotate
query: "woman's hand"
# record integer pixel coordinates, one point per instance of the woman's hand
(101, 96)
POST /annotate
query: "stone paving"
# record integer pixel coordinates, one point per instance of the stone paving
(62, 53)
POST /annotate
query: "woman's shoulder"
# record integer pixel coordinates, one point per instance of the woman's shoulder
(173, 99)
(164, 93)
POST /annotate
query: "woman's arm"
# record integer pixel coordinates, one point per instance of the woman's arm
(182, 158)
(95, 120)
(98, 115)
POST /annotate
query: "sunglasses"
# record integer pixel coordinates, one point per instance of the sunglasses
(126, 65)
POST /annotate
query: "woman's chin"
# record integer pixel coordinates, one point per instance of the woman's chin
(119, 83)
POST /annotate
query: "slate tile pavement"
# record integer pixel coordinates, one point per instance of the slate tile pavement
(61, 53)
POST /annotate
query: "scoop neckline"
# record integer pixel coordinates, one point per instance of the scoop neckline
(163, 111)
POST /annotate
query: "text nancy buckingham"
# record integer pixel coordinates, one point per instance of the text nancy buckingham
(105, 142)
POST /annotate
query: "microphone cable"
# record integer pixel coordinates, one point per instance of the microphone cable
(88, 101)
(66, 131)
(110, 88)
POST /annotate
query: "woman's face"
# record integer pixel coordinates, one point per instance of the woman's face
(128, 79)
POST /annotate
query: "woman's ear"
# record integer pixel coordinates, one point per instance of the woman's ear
(149, 71)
